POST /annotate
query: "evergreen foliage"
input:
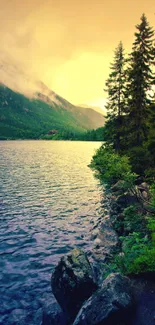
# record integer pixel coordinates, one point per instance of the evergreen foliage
(140, 81)
(128, 154)
(115, 87)
(130, 126)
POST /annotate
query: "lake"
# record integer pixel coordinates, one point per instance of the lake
(49, 201)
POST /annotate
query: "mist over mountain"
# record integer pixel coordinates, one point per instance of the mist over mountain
(95, 108)
(28, 108)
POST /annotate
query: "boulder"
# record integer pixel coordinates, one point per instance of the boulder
(125, 200)
(145, 186)
(53, 314)
(109, 305)
(107, 241)
(145, 195)
(139, 180)
(143, 191)
(72, 282)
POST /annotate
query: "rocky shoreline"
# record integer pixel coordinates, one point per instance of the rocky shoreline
(84, 292)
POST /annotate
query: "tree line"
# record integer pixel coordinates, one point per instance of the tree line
(129, 127)
(125, 163)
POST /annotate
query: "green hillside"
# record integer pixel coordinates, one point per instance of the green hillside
(22, 118)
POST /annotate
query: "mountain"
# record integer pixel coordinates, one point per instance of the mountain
(95, 108)
(29, 109)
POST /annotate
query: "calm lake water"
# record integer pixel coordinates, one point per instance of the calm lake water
(49, 200)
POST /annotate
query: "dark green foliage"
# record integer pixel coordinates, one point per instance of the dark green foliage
(140, 159)
(93, 135)
(134, 249)
(130, 148)
(138, 255)
(140, 81)
(150, 170)
(144, 263)
(138, 248)
(130, 220)
(130, 125)
(115, 87)
(63, 135)
(134, 221)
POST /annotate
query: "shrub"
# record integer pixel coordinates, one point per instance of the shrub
(144, 263)
(110, 167)
(133, 247)
(134, 219)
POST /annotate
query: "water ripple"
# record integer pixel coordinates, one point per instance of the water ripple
(49, 200)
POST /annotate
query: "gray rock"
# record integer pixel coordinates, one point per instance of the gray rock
(139, 180)
(107, 241)
(145, 186)
(125, 200)
(145, 195)
(53, 314)
(72, 282)
(109, 305)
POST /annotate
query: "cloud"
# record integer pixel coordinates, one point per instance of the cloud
(49, 38)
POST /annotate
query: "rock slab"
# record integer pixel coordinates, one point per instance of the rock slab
(72, 282)
(53, 314)
(109, 305)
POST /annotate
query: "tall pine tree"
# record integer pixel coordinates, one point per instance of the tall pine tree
(115, 87)
(140, 80)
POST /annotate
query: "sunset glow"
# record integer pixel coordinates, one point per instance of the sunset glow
(69, 45)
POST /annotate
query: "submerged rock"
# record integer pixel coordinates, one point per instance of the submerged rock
(109, 305)
(53, 314)
(18, 316)
(72, 282)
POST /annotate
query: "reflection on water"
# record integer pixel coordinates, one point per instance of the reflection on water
(48, 201)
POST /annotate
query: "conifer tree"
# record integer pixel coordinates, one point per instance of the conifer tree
(140, 81)
(115, 87)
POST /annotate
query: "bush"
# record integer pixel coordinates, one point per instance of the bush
(134, 248)
(137, 222)
(144, 263)
(110, 167)
(133, 219)
(138, 248)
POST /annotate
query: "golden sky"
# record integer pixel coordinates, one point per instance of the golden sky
(69, 44)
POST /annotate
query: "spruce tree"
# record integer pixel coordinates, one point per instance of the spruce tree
(115, 87)
(140, 81)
